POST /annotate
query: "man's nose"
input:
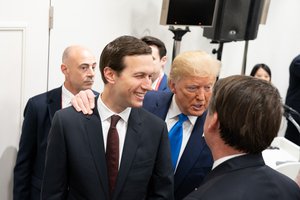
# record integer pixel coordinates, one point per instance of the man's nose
(91, 71)
(147, 83)
(200, 94)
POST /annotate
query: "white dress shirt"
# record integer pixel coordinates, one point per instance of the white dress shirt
(66, 97)
(156, 83)
(105, 115)
(188, 125)
(221, 160)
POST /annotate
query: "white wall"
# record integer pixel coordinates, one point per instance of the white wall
(94, 23)
(276, 44)
(23, 64)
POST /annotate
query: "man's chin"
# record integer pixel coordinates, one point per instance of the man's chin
(87, 87)
(137, 104)
(197, 113)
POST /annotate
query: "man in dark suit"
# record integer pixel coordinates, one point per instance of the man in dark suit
(159, 54)
(239, 125)
(78, 65)
(293, 101)
(191, 79)
(79, 146)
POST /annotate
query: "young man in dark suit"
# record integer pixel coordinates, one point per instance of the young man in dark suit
(159, 54)
(244, 116)
(78, 165)
(192, 77)
(78, 65)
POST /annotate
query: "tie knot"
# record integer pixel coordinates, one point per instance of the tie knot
(182, 117)
(114, 120)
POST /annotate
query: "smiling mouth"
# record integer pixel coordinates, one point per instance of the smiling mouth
(140, 95)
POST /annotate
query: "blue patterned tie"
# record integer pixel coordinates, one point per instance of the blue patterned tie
(175, 136)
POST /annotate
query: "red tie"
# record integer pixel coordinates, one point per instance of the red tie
(112, 152)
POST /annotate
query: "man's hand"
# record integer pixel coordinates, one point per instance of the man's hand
(84, 101)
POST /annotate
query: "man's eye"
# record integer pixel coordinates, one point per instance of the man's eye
(139, 76)
(191, 89)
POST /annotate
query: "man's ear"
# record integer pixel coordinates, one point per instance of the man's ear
(63, 69)
(163, 60)
(214, 122)
(109, 74)
(171, 85)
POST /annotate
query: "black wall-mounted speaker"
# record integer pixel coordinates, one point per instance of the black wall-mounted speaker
(235, 20)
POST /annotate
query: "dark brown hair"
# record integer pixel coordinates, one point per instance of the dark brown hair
(249, 112)
(156, 42)
(113, 53)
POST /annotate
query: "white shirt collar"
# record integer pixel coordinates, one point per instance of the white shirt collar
(66, 97)
(106, 113)
(157, 81)
(223, 159)
(174, 111)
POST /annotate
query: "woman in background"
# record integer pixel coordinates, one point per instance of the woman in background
(261, 71)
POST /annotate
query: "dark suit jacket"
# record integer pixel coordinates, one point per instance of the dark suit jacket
(30, 162)
(163, 86)
(29, 168)
(293, 100)
(246, 178)
(196, 160)
(76, 165)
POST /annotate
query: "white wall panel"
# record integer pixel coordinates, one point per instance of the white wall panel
(12, 62)
(23, 73)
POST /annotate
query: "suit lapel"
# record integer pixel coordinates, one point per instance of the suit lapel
(191, 152)
(158, 103)
(93, 127)
(54, 101)
(131, 143)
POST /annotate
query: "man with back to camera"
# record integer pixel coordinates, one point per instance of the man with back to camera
(239, 125)
(78, 66)
(191, 80)
(159, 53)
(120, 151)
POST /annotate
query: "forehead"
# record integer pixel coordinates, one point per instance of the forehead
(197, 80)
(83, 57)
(137, 63)
(261, 70)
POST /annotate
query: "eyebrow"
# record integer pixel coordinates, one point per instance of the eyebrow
(86, 64)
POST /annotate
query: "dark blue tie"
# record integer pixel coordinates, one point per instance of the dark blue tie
(175, 136)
